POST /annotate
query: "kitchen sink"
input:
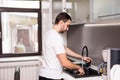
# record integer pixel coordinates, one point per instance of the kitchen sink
(89, 72)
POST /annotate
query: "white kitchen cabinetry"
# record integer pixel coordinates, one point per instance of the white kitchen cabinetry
(78, 9)
(57, 7)
(105, 10)
(85, 11)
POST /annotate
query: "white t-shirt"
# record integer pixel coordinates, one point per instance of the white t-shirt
(53, 45)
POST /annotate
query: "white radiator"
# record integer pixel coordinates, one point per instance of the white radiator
(25, 70)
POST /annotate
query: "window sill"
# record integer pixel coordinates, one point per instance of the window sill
(16, 59)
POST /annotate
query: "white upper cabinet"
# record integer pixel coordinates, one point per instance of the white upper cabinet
(105, 10)
(57, 7)
(87, 11)
(78, 9)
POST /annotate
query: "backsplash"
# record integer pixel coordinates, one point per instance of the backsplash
(96, 38)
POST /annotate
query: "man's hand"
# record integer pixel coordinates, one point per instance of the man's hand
(81, 70)
(87, 59)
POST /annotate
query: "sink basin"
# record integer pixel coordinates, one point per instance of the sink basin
(89, 72)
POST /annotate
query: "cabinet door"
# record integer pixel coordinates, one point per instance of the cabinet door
(105, 9)
(56, 8)
(79, 10)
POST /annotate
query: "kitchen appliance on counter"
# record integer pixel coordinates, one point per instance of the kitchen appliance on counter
(89, 72)
(112, 57)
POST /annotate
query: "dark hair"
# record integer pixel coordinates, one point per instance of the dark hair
(62, 16)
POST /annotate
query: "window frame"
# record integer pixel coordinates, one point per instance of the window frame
(9, 9)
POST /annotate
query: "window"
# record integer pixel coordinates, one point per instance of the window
(20, 28)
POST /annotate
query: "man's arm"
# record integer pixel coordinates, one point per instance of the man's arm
(74, 54)
(68, 64)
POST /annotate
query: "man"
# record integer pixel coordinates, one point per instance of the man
(55, 51)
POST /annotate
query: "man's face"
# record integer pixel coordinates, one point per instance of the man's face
(65, 26)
